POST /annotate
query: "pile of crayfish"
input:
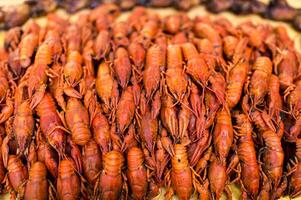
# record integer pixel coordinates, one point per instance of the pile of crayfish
(100, 108)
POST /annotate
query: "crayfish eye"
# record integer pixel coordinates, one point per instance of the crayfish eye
(112, 12)
(179, 160)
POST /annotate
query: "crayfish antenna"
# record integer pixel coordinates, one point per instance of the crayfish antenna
(51, 191)
(96, 185)
(187, 106)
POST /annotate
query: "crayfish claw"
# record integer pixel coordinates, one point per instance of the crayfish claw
(37, 96)
(71, 92)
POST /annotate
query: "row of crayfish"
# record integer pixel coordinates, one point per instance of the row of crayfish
(17, 15)
(279, 10)
(106, 109)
